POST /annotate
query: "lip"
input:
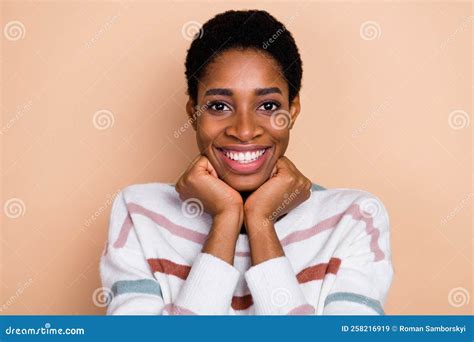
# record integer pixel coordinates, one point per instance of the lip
(243, 169)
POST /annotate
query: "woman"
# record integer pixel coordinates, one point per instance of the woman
(243, 231)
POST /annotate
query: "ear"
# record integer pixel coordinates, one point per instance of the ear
(295, 108)
(191, 111)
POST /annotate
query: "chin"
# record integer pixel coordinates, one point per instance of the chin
(245, 183)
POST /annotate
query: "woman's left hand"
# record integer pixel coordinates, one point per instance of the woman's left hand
(286, 188)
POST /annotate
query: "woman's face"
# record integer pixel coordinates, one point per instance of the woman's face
(243, 116)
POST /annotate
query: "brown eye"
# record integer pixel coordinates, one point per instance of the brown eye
(218, 106)
(270, 106)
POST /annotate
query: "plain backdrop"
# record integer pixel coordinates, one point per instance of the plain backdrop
(93, 95)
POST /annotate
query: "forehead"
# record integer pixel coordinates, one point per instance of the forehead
(243, 69)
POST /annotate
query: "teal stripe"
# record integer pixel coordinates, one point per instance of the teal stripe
(317, 187)
(147, 286)
(357, 298)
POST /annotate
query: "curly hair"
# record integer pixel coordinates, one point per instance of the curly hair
(249, 29)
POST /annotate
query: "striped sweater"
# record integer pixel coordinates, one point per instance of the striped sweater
(337, 258)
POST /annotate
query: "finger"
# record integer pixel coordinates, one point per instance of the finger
(204, 165)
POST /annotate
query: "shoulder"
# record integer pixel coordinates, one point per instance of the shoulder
(361, 204)
(144, 195)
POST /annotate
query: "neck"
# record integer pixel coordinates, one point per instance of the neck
(245, 195)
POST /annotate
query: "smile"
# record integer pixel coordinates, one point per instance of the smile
(244, 159)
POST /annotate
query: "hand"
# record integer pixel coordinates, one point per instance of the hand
(200, 181)
(286, 188)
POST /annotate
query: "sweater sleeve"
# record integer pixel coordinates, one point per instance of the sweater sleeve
(360, 285)
(132, 289)
(275, 289)
(366, 272)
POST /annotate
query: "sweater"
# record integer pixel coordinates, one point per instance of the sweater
(337, 258)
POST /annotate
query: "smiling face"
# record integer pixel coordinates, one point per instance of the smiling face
(243, 116)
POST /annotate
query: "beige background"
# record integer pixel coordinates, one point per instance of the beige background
(386, 107)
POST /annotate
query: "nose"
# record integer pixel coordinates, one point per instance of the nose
(244, 126)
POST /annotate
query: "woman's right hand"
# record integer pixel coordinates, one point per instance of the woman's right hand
(200, 181)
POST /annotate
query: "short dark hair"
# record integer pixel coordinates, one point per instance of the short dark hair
(253, 29)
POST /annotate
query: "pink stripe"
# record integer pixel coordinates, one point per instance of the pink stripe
(304, 234)
(191, 235)
(175, 229)
(177, 310)
(304, 309)
(124, 231)
(357, 214)
(331, 222)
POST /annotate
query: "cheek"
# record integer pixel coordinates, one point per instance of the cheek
(207, 132)
(281, 138)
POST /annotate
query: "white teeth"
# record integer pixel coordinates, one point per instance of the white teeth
(244, 158)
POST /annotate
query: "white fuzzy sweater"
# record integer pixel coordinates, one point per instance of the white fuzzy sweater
(337, 258)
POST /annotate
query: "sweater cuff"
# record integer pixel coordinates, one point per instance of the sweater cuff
(209, 287)
(274, 287)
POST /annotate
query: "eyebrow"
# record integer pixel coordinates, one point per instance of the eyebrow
(229, 92)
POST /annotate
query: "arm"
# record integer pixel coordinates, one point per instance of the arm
(366, 272)
(271, 280)
(132, 288)
(126, 276)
